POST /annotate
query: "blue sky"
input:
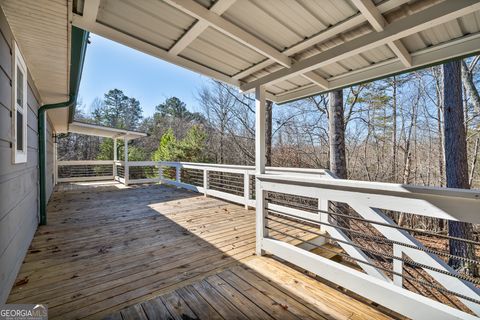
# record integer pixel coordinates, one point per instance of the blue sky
(110, 65)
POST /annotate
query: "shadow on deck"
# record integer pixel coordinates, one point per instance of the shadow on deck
(164, 253)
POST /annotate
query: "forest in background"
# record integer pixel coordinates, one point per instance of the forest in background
(393, 128)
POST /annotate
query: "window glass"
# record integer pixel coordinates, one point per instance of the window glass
(19, 131)
(19, 87)
(19, 108)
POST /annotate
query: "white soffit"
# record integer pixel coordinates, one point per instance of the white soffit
(296, 48)
(59, 119)
(42, 32)
(102, 131)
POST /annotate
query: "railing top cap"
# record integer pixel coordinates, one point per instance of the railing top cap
(369, 186)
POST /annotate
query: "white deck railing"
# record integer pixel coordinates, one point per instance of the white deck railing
(383, 283)
(89, 170)
(306, 196)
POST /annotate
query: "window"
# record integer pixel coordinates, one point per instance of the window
(20, 108)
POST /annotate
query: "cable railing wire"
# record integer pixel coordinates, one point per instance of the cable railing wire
(379, 239)
(384, 224)
(387, 255)
(382, 268)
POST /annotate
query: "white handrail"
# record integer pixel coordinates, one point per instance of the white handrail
(83, 162)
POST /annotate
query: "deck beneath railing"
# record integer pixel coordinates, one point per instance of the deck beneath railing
(163, 250)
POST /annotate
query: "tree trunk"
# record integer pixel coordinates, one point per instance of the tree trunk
(338, 163)
(456, 160)
(472, 91)
(467, 78)
(394, 131)
(268, 133)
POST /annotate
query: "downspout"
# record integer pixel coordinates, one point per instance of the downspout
(78, 49)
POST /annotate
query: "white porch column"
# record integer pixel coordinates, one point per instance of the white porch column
(126, 171)
(114, 158)
(260, 109)
(55, 160)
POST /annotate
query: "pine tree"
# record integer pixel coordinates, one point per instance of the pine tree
(118, 111)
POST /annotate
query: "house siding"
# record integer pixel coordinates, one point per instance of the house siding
(19, 187)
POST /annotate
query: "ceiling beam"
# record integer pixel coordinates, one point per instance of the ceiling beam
(322, 36)
(467, 45)
(198, 27)
(318, 80)
(90, 10)
(213, 20)
(378, 22)
(422, 20)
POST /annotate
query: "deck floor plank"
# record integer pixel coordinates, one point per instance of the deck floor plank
(155, 309)
(177, 307)
(201, 307)
(157, 252)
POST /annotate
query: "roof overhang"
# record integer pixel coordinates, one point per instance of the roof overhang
(294, 48)
(42, 32)
(54, 52)
(102, 131)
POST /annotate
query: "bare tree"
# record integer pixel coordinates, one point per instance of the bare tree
(456, 160)
(268, 133)
(338, 162)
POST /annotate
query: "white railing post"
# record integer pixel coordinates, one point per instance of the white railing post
(397, 266)
(55, 160)
(114, 159)
(178, 173)
(160, 172)
(205, 182)
(126, 171)
(260, 221)
(323, 207)
(246, 188)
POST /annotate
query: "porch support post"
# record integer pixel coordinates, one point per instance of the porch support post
(260, 110)
(114, 158)
(55, 160)
(126, 171)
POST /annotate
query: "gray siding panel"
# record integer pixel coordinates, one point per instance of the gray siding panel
(5, 51)
(18, 182)
(5, 130)
(5, 89)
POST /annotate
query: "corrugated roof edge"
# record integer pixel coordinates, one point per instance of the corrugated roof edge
(382, 77)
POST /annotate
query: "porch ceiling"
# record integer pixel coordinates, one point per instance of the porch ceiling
(295, 48)
(42, 32)
(102, 131)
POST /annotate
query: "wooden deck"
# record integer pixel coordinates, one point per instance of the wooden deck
(164, 253)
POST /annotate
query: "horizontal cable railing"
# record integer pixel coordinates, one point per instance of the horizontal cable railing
(143, 172)
(84, 170)
(119, 168)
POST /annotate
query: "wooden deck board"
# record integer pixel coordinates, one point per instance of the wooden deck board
(262, 290)
(110, 250)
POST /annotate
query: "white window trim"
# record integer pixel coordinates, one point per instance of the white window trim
(19, 156)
